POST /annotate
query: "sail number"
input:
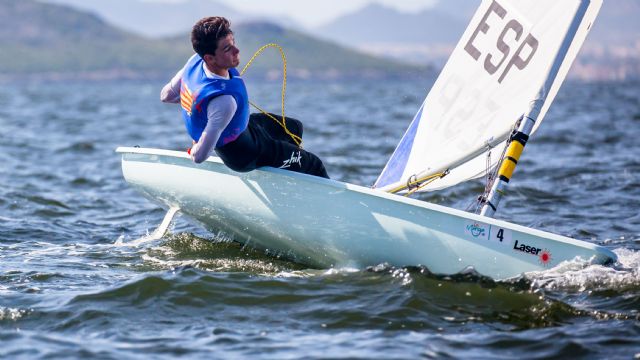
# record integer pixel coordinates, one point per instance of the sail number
(513, 29)
(480, 231)
(503, 236)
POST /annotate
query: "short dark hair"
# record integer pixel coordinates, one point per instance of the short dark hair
(206, 33)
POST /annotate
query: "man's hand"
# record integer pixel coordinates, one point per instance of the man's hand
(189, 150)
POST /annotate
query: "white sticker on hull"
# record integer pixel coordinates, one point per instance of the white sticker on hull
(500, 235)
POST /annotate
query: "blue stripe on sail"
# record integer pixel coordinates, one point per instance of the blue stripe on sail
(398, 162)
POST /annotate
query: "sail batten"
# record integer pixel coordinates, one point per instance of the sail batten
(505, 63)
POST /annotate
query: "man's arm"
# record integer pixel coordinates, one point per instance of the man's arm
(220, 111)
(171, 91)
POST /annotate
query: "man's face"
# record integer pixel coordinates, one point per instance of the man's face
(227, 55)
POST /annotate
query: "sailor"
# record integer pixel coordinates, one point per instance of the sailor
(215, 108)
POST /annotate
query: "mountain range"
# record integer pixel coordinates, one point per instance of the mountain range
(129, 33)
(373, 23)
(39, 39)
(612, 50)
(613, 44)
(158, 19)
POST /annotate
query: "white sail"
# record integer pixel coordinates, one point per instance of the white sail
(511, 60)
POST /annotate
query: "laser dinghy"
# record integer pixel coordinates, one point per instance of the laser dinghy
(490, 98)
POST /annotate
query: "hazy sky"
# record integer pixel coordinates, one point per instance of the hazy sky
(317, 12)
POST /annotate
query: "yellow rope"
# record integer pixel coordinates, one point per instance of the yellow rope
(420, 182)
(282, 123)
(425, 182)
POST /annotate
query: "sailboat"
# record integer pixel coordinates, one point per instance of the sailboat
(490, 97)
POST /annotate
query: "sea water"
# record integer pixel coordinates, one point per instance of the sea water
(76, 283)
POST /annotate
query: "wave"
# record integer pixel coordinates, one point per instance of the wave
(580, 275)
(12, 314)
(183, 273)
(382, 296)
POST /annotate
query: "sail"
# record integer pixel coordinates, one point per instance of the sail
(510, 61)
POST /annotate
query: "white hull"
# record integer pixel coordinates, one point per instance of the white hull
(325, 223)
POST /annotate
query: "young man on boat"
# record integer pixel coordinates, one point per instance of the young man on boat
(215, 108)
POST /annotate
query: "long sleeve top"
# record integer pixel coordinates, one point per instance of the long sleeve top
(220, 111)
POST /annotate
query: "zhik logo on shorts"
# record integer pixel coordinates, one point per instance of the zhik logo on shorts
(296, 158)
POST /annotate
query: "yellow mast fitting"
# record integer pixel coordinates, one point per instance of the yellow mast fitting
(508, 166)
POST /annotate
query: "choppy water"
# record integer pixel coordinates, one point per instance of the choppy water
(72, 284)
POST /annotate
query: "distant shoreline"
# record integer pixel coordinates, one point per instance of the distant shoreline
(127, 74)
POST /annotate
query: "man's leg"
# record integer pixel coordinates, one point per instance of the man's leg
(292, 158)
(276, 131)
(285, 155)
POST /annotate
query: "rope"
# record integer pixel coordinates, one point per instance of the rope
(493, 175)
(425, 182)
(414, 184)
(282, 123)
(487, 186)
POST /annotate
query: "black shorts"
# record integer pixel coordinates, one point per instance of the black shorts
(265, 143)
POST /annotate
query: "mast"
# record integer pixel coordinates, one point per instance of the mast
(520, 138)
(508, 165)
